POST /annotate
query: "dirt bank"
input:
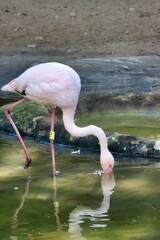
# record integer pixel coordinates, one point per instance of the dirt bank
(73, 29)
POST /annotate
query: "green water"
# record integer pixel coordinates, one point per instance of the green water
(138, 123)
(122, 206)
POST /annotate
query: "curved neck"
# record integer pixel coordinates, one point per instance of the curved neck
(68, 119)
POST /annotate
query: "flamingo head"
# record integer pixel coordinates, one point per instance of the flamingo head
(10, 86)
(109, 169)
(107, 162)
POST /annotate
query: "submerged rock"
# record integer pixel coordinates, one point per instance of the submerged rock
(33, 121)
(27, 118)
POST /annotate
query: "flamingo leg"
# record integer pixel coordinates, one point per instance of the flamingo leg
(7, 111)
(51, 138)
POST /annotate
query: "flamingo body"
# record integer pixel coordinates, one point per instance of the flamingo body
(51, 84)
(56, 84)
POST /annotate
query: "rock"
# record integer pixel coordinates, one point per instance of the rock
(34, 121)
(31, 45)
(27, 117)
(39, 38)
(73, 15)
(132, 145)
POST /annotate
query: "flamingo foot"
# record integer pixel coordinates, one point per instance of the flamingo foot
(109, 170)
(28, 162)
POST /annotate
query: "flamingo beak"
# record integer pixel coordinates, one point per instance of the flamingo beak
(109, 170)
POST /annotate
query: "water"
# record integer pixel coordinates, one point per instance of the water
(140, 123)
(78, 204)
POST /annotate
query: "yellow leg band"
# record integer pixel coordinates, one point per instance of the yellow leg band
(51, 135)
(56, 204)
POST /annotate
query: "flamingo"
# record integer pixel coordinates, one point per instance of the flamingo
(56, 85)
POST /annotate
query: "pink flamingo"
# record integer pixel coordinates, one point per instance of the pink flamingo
(56, 84)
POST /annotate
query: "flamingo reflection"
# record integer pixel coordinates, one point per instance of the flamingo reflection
(81, 213)
(15, 215)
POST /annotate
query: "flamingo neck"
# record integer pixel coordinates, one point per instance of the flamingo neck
(68, 119)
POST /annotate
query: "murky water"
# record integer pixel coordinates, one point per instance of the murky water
(133, 122)
(79, 204)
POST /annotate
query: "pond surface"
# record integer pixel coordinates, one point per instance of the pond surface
(132, 122)
(78, 204)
